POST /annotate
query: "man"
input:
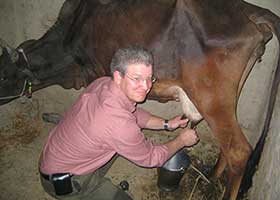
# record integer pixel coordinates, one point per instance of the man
(105, 122)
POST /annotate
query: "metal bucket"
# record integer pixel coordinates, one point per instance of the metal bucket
(171, 173)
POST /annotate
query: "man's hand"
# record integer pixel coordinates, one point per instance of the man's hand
(189, 137)
(176, 122)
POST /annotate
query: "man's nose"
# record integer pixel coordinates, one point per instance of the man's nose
(145, 84)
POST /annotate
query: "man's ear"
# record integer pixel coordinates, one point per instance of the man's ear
(117, 77)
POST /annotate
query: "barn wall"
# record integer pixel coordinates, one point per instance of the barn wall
(266, 183)
(29, 19)
(26, 19)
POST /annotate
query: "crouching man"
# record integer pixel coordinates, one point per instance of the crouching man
(104, 122)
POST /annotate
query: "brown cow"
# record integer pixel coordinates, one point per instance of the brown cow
(203, 50)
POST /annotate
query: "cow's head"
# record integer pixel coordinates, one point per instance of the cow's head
(36, 64)
(14, 74)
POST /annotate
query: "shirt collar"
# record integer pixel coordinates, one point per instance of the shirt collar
(119, 94)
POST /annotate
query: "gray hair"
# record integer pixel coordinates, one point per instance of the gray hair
(130, 55)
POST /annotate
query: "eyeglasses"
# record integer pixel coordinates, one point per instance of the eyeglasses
(138, 79)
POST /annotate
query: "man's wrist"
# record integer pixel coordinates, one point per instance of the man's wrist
(166, 125)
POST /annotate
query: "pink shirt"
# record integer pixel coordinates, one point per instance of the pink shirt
(101, 123)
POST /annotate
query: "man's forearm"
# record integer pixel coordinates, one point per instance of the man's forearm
(174, 145)
(155, 123)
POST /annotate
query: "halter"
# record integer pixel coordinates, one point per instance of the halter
(25, 84)
(22, 91)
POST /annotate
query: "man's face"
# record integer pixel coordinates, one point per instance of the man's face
(136, 83)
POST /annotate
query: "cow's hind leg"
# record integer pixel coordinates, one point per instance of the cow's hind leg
(219, 111)
(220, 167)
(239, 153)
(235, 151)
(216, 99)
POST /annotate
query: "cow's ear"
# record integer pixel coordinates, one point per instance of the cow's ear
(117, 77)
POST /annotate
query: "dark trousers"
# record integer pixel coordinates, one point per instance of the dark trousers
(93, 186)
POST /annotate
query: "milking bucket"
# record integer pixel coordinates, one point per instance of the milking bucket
(171, 173)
